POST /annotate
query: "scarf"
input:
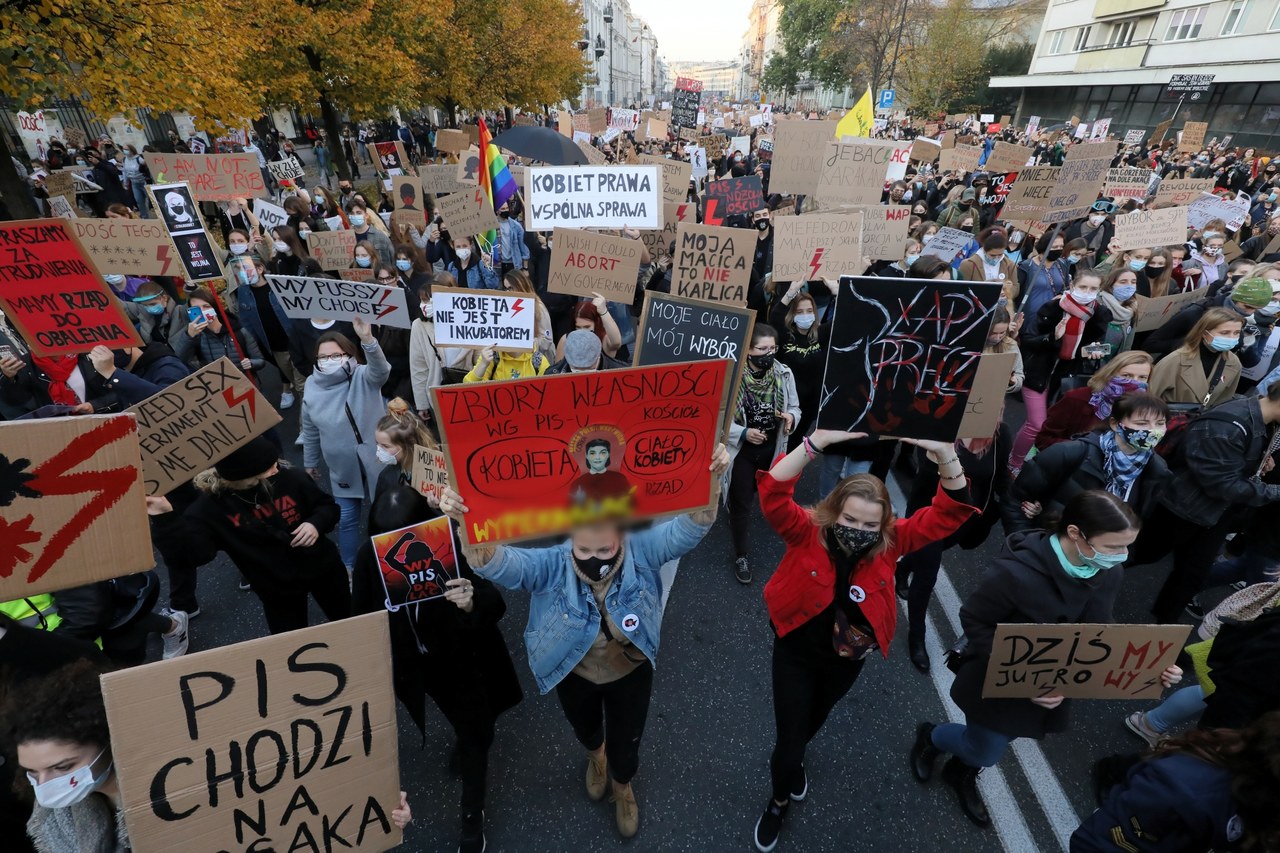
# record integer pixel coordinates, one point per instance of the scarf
(1101, 401)
(1119, 313)
(1122, 469)
(1077, 315)
(59, 370)
(761, 392)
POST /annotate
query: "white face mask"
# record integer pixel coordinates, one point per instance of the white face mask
(1096, 220)
(385, 458)
(333, 366)
(1084, 297)
(239, 248)
(322, 324)
(463, 254)
(281, 246)
(71, 788)
(428, 310)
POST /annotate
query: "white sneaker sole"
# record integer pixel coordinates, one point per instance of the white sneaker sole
(1150, 741)
(755, 836)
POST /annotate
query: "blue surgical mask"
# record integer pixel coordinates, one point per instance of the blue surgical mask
(403, 264)
(364, 261)
(911, 259)
(1271, 197)
(1100, 561)
(114, 279)
(1015, 255)
(1124, 292)
(1222, 343)
(804, 321)
(1073, 260)
(155, 308)
(1137, 266)
(356, 220)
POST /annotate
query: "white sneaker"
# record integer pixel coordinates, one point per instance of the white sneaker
(175, 641)
(1137, 723)
(286, 399)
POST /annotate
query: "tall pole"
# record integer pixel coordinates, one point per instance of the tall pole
(897, 42)
(611, 61)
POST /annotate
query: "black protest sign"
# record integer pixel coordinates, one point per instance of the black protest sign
(684, 108)
(732, 197)
(185, 225)
(904, 355)
(288, 742)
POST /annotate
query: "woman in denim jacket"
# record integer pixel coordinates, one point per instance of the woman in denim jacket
(594, 624)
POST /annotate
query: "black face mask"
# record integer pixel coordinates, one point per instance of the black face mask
(762, 225)
(761, 362)
(1052, 255)
(502, 214)
(594, 567)
(855, 539)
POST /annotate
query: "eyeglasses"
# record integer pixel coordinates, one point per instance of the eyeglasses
(330, 359)
(386, 278)
(759, 351)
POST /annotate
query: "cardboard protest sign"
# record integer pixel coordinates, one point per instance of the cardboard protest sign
(1193, 133)
(476, 319)
(904, 355)
(798, 153)
(947, 243)
(442, 179)
(288, 169)
(1181, 191)
(197, 421)
(674, 330)
(60, 206)
(1081, 661)
(135, 247)
(305, 718)
(328, 299)
(594, 197)
(584, 262)
(597, 120)
(74, 510)
(1151, 313)
(1161, 130)
(451, 141)
(60, 182)
(564, 123)
(925, 150)
(1209, 206)
(659, 241)
(655, 128)
(853, 172)
(817, 245)
(961, 158)
(712, 264)
(1084, 171)
(1144, 229)
(390, 158)
(466, 214)
(1007, 157)
(211, 177)
(595, 157)
(983, 409)
(333, 250)
(624, 443)
(1128, 183)
(467, 171)
(733, 197)
(415, 562)
(884, 231)
(182, 219)
(54, 295)
(675, 177)
(430, 470)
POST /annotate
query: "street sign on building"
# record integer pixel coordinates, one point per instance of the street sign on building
(886, 99)
(1191, 86)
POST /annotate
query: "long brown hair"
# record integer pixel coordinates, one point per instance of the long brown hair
(870, 489)
(1212, 319)
(811, 335)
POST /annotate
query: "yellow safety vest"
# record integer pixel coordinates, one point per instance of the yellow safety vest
(38, 611)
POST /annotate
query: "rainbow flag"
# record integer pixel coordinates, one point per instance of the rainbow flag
(494, 175)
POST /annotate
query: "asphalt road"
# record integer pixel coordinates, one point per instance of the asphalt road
(704, 765)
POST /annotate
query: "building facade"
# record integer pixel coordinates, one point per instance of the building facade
(623, 50)
(719, 79)
(1114, 59)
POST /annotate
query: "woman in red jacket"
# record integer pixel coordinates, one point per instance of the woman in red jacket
(831, 601)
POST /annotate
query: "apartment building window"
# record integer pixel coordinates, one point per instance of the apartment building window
(1236, 14)
(1122, 33)
(1055, 42)
(1185, 24)
(1082, 38)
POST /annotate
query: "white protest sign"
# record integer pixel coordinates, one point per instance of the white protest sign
(1135, 137)
(270, 215)
(740, 143)
(698, 160)
(329, 299)
(1144, 229)
(898, 161)
(593, 197)
(1209, 206)
(1100, 128)
(479, 318)
(628, 120)
(285, 170)
(947, 243)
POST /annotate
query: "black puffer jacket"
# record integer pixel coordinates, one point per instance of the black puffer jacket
(1056, 475)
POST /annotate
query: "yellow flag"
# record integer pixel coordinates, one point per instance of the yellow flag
(859, 120)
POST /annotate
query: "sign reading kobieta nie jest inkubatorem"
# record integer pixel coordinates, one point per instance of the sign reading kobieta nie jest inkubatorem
(593, 197)
(330, 299)
(287, 742)
(904, 354)
(614, 445)
(482, 318)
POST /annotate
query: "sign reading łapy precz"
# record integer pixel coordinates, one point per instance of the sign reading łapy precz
(904, 354)
(593, 197)
(482, 318)
(284, 742)
(327, 299)
(53, 293)
(630, 443)
(197, 421)
(1081, 661)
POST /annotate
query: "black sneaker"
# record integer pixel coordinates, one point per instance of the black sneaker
(472, 839)
(800, 786)
(245, 586)
(741, 570)
(1194, 610)
(769, 825)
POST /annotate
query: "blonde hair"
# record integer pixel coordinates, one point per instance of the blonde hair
(867, 487)
(1212, 318)
(1112, 368)
(405, 429)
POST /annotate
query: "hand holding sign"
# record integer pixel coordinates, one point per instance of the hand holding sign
(459, 592)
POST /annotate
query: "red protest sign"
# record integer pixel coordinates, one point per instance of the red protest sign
(54, 294)
(540, 456)
(732, 197)
(415, 562)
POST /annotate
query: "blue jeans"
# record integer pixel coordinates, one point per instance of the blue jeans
(835, 468)
(1252, 567)
(140, 198)
(973, 745)
(349, 529)
(1182, 706)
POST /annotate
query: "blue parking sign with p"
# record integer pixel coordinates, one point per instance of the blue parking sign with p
(886, 99)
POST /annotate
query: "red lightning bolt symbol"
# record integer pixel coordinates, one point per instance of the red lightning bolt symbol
(248, 398)
(517, 307)
(162, 254)
(816, 263)
(389, 308)
(54, 477)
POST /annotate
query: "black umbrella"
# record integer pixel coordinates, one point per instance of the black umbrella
(541, 143)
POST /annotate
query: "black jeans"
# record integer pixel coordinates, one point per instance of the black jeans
(474, 730)
(921, 567)
(613, 714)
(180, 567)
(806, 686)
(1194, 550)
(286, 610)
(742, 488)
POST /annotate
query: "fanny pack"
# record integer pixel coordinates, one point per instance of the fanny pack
(848, 641)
